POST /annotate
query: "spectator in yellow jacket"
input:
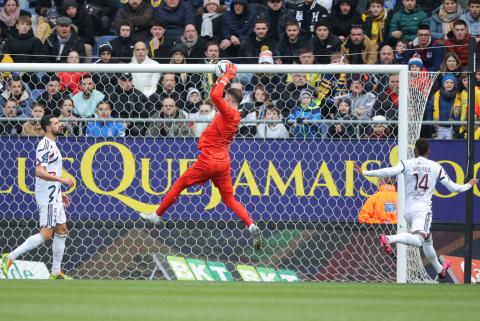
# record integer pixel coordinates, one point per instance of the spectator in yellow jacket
(381, 207)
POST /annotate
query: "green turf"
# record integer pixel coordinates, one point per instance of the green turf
(175, 300)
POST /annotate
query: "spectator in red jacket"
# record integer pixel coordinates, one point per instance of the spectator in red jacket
(458, 41)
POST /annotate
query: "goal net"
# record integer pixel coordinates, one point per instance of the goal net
(300, 187)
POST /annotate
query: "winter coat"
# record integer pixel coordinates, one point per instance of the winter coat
(52, 47)
(171, 129)
(341, 24)
(277, 21)
(368, 49)
(252, 47)
(122, 49)
(217, 26)
(386, 105)
(176, 19)
(380, 24)
(105, 129)
(277, 131)
(408, 22)
(362, 105)
(108, 7)
(32, 128)
(311, 112)
(308, 16)
(24, 103)
(145, 82)
(129, 104)
(288, 52)
(473, 25)
(10, 128)
(290, 97)
(21, 47)
(140, 19)
(348, 130)
(436, 25)
(6, 31)
(432, 55)
(241, 25)
(441, 104)
(323, 49)
(459, 47)
(84, 23)
(162, 53)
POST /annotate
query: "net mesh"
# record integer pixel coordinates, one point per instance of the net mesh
(294, 173)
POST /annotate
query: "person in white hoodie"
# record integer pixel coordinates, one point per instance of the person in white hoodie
(145, 82)
(273, 130)
(205, 113)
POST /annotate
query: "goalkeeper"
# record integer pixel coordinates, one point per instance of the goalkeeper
(214, 159)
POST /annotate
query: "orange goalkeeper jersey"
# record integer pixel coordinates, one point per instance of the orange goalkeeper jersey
(215, 141)
(381, 207)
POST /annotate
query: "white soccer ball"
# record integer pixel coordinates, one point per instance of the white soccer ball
(221, 68)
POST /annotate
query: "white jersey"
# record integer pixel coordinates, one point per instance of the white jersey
(48, 155)
(421, 176)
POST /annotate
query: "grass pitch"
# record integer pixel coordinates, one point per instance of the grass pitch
(176, 300)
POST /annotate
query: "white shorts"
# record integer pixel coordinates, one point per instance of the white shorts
(52, 214)
(419, 221)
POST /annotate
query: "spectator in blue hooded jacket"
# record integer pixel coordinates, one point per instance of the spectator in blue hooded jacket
(308, 109)
(105, 129)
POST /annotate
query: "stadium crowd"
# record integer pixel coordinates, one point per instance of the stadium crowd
(418, 33)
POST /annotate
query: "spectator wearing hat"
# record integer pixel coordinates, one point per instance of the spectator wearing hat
(46, 24)
(427, 49)
(362, 101)
(63, 40)
(324, 43)
(176, 14)
(344, 112)
(457, 41)
(307, 13)
(274, 83)
(291, 95)
(193, 101)
(375, 22)
(359, 48)
(307, 108)
(129, 102)
(258, 41)
(145, 82)
(378, 129)
(405, 22)
(194, 45)
(122, 46)
(343, 17)
(442, 105)
(22, 45)
(159, 45)
(105, 81)
(278, 15)
(82, 21)
(139, 14)
(288, 48)
(105, 53)
(210, 20)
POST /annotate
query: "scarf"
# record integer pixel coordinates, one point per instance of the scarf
(447, 19)
(207, 25)
(9, 20)
(62, 41)
(356, 52)
(189, 44)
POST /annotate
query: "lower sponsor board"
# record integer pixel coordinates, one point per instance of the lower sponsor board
(458, 267)
(188, 269)
(27, 270)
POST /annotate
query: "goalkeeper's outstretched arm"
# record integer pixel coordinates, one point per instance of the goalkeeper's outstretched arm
(383, 172)
(216, 95)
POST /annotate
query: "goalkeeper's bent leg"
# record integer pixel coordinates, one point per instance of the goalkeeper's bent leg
(236, 207)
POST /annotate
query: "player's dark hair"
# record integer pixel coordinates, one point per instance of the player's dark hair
(236, 93)
(422, 146)
(45, 121)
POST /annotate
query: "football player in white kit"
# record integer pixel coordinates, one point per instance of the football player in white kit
(50, 200)
(421, 175)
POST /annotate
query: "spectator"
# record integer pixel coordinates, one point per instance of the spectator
(382, 207)
(52, 97)
(83, 23)
(104, 129)
(251, 47)
(442, 104)
(451, 64)
(237, 26)
(176, 14)
(307, 57)
(183, 81)
(442, 19)
(375, 22)
(405, 22)
(194, 45)
(386, 55)
(210, 22)
(169, 88)
(291, 95)
(159, 45)
(139, 14)
(102, 13)
(10, 127)
(273, 83)
(86, 101)
(362, 101)
(69, 128)
(212, 56)
(32, 127)
(272, 130)
(278, 15)
(465, 102)
(105, 54)
(307, 13)
(472, 18)
(307, 109)
(22, 45)
(324, 43)
(63, 40)
(169, 111)
(386, 103)
(46, 24)
(458, 41)
(259, 98)
(288, 48)
(9, 14)
(401, 54)
(427, 49)
(379, 129)
(193, 101)
(70, 80)
(122, 46)
(201, 118)
(359, 48)
(145, 82)
(18, 91)
(343, 17)
(106, 81)
(247, 113)
(343, 130)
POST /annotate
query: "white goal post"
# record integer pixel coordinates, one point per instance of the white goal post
(404, 141)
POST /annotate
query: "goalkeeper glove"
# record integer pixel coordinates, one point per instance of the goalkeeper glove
(230, 73)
